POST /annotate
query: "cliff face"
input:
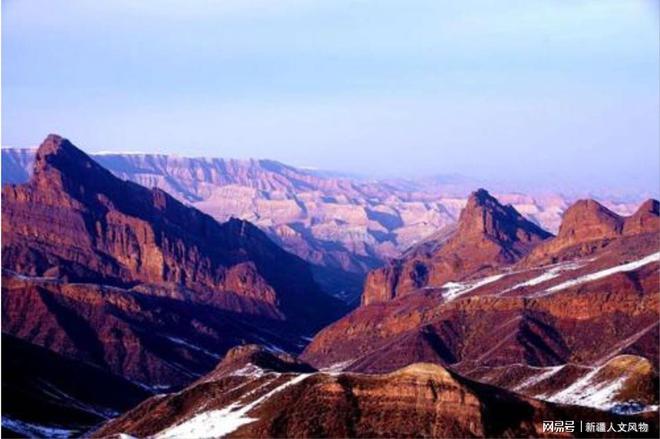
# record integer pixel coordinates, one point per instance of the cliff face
(488, 235)
(77, 221)
(129, 279)
(258, 394)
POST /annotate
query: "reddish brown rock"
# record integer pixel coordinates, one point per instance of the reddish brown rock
(588, 220)
(570, 309)
(488, 235)
(343, 226)
(645, 219)
(158, 341)
(131, 281)
(80, 220)
(251, 398)
(587, 227)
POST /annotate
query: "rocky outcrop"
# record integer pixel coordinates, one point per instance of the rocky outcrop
(158, 339)
(587, 220)
(488, 235)
(645, 219)
(588, 226)
(420, 400)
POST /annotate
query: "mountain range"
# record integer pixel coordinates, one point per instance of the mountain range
(127, 311)
(344, 226)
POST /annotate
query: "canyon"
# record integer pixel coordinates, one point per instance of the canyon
(130, 311)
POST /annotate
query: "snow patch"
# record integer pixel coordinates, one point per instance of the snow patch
(64, 397)
(590, 391)
(550, 274)
(586, 391)
(274, 349)
(103, 287)
(218, 423)
(249, 370)
(183, 342)
(270, 347)
(20, 276)
(630, 266)
(544, 374)
(456, 289)
(336, 368)
(153, 388)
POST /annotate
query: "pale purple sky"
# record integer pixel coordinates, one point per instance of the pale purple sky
(559, 93)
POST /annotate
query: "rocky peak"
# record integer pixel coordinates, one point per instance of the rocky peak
(52, 144)
(60, 166)
(488, 235)
(56, 152)
(645, 219)
(588, 226)
(483, 215)
(97, 227)
(588, 220)
(651, 206)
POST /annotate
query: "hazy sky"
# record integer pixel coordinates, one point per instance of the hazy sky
(563, 92)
